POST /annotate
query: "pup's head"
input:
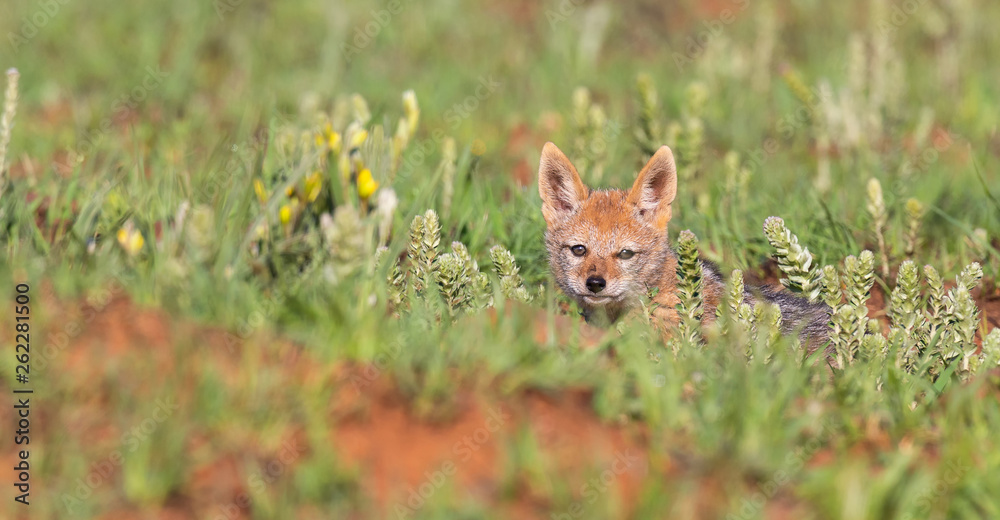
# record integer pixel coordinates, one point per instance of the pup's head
(606, 247)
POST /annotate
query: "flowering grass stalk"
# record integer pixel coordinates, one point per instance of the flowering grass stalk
(689, 287)
(7, 123)
(876, 208)
(914, 214)
(905, 311)
(511, 283)
(793, 259)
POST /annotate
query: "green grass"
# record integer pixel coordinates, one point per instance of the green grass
(226, 101)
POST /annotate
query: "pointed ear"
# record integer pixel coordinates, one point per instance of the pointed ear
(559, 185)
(655, 188)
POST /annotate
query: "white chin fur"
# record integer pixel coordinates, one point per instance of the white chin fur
(598, 300)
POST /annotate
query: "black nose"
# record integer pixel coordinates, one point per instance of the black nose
(595, 284)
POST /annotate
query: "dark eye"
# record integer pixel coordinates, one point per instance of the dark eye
(578, 250)
(625, 254)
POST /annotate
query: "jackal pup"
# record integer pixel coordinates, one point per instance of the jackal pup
(608, 248)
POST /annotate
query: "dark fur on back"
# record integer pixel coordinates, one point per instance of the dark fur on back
(810, 320)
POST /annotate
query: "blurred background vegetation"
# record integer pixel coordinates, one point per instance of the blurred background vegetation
(132, 207)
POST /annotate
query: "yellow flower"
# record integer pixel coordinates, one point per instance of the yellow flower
(285, 214)
(358, 138)
(333, 141)
(328, 139)
(258, 187)
(130, 239)
(366, 184)
(314, 184)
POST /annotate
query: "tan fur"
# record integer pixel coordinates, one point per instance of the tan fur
(606, 222)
